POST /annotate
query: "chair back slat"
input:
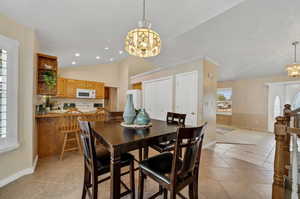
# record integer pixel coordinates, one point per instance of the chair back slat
(191, 140)
(176, 118)
(69, 122)
(88, 140)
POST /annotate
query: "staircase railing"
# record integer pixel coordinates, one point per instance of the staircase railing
(286, 129)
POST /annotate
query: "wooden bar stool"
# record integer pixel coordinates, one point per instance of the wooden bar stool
(70, 128)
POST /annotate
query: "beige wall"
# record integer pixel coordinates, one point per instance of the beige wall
(209, 98)
(207, 90)
(250, 101)
(23, 157)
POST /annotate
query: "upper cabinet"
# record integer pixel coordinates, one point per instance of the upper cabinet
(68, 87)
(61, 87)
(99, 90)
(137, 86)
(47, 74)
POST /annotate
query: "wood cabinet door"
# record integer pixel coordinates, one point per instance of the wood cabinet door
(99, 87)
(61, 87)
(90, 85)
(106, 92)
(72, 86)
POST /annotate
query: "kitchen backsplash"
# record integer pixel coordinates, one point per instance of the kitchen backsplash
(82, 104)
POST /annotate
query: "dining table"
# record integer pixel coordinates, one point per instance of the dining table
(118, 140)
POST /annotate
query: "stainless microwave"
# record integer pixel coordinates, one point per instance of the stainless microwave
(85, 93)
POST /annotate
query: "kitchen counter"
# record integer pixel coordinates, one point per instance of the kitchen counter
(50, 139)
(55, 115)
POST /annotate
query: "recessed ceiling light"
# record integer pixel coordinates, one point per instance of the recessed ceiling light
(73, 62)
(106, 48)
(121, 51)
(98, 57)
(77, 54)
(111, 59)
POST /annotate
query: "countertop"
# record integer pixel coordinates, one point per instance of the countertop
(55, 115)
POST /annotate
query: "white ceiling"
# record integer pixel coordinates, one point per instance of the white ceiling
(65, 27)
(247, 38)
(252, 39)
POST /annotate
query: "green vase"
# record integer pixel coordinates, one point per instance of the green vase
(142, 118)
(129, 112)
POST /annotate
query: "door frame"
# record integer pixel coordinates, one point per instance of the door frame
(196, 92)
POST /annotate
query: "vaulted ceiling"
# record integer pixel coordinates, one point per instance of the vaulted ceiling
(247, 38)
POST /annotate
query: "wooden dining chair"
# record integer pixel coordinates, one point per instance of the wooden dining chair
(175, 119)
(171, 172)
(97, 163)
(70, 128)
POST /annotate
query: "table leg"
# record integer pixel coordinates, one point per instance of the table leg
(146, 152)
(115, 171)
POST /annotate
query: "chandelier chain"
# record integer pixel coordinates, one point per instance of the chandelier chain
(144, 10)
(295, 58)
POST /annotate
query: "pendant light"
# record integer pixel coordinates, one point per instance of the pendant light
(294, 68)
(142, 41)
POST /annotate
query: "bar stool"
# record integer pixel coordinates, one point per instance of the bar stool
(70, 128)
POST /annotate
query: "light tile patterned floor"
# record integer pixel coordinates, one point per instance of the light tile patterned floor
(227, 171)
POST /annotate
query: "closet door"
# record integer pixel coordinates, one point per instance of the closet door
(158, 97)
(186, 97)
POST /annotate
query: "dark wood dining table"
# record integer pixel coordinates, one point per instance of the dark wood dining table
(118, 140)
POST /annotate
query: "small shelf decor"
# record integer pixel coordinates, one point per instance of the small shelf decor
(50, 79)
(46, 75)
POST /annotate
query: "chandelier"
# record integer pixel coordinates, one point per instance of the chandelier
(142, 41)
(294, 69)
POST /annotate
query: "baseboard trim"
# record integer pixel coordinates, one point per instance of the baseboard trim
(19, 174)
(209, 144)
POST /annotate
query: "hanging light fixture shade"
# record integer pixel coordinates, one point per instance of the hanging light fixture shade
(142, 41)
(294, 69)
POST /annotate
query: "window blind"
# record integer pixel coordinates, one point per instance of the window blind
(3, 93)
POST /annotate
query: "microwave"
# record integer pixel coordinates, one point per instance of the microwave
(85, 93)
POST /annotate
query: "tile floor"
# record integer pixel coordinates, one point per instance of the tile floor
(228, 171)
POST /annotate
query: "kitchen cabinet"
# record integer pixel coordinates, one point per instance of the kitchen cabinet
(61, 87)
(106, 92)
(72, 86)
(137, 86)
(67, 88)
(99, 90)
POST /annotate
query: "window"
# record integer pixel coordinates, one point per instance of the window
(224, 103)
(3, 93)
(8, 94)
(296, 102)
(277, 107)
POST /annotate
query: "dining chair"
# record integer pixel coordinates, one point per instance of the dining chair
(175, 119)
(171, 172)
(70, 128)
(97, 163)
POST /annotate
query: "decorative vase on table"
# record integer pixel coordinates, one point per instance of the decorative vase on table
(129, 112)
(142, 118)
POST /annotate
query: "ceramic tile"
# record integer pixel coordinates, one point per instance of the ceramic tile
(227, 171)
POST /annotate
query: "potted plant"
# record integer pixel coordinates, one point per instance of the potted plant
(50, 79)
